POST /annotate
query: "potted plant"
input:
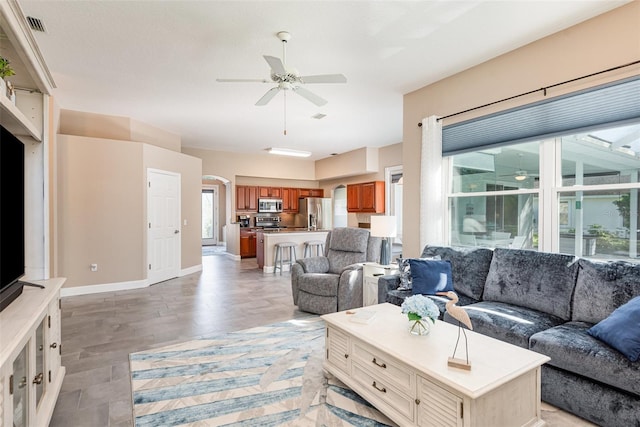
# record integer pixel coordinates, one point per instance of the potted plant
(5, 71)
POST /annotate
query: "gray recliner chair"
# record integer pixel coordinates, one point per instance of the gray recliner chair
(333, 282)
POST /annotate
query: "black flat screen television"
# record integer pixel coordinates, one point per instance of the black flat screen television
(12, 256)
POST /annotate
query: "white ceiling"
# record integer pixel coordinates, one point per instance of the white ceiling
(157, 61)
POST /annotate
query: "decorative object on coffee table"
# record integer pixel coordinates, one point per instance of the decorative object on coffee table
(461, 316)
(419, 309)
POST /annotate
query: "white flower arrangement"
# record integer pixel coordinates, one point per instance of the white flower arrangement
(419, 307)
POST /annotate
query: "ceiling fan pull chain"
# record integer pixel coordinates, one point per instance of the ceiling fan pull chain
(285, 113)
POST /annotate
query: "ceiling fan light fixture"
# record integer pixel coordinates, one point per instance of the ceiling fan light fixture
(288, 152)
(520, 176)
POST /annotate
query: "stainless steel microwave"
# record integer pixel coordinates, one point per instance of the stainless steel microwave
(269, 205)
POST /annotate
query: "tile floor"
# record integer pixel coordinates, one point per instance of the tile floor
(99, 331)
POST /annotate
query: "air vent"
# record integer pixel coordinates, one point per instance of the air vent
(36, 24)
(318, 116)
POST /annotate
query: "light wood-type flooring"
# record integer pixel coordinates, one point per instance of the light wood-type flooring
(100, 330)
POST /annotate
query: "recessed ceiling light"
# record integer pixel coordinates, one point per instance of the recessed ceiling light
(318, 116)
(288, 152)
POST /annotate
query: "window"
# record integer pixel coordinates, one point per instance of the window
(494, 197)
(600, 190)
(589, 200)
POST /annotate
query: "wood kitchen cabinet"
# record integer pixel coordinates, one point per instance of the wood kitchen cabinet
(246, 198)
(310, 192)
(290, 200)
(270, 192)
(247, 243)
(366, 197)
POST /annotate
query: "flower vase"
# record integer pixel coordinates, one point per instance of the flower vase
(419, 326)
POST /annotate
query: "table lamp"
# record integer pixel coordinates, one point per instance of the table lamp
(385, 227)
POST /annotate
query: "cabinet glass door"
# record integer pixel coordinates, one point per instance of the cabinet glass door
(19, 386)
(39, 378)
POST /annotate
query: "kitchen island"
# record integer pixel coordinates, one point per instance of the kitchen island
(266, 239)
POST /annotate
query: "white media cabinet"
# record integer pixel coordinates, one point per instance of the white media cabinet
(30, 371)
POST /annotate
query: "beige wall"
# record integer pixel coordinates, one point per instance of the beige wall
(229, 165)
(356, 162)
(102, 208)
(81, 123)
(606, 41)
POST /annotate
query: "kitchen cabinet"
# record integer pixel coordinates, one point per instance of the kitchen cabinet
(310, 192)
(270, 192)
(246, 198)
(247, 243)
(31, 374)
(366, 197)
(290, 200)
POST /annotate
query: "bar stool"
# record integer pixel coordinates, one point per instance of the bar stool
(279, 252)
(309, 247)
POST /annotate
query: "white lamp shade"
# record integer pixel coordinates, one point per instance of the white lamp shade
(383, 226)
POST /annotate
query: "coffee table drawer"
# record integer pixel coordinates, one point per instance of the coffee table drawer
(382, 393)
(384, 366)
(337, 346)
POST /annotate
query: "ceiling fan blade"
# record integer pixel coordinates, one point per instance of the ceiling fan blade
(310, 96)
(268, 96)
(243, 80)
(324, 78)
(277, 67)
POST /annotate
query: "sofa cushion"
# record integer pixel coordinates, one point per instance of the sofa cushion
(319, 284)
(397, 296)
(507, 322)
(571, 348)
(614, 283)
(430, 276)
(537, 280)
(621, 330)
(469, 267)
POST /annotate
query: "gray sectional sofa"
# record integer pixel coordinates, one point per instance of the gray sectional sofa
(546, 302)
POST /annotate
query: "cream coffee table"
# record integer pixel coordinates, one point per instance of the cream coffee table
(407, 378)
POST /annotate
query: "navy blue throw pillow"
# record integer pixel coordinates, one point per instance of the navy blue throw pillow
(621, 329)
(430, 276)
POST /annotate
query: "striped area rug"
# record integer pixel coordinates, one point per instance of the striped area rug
(265, 376)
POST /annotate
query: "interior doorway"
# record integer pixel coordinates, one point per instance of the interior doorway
(163, 218)
(340, 218)
(210, 215)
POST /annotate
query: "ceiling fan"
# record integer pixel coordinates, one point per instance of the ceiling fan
(288, 79)
(520, 174)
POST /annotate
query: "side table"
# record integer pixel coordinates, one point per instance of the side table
(370, 273)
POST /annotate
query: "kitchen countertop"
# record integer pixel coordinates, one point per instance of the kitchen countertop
(290, 230)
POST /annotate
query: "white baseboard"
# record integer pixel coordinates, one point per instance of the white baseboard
(119, 286)
(105, 287)
(190, 270)
(233, 257)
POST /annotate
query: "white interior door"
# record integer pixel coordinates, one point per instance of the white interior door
(163, 217)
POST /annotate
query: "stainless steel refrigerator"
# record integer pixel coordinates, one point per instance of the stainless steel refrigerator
(315, 213)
